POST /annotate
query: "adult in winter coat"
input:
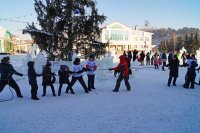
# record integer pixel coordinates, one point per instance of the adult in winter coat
(77, 75)
(191, 73)
(148, 58)
(135, 52)
(142, 56)
(91, 67)
(64, 74)
(130, 55)
(6, 72)
(48, 79)
(164, 60)
(173, 67)
(32, 80)
(124, 73)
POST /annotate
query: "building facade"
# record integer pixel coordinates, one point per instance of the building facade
(5, 41)
(122, 38)
(12, 44)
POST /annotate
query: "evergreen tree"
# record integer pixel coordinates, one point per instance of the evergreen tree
(67, 25)
(170, 45)
(179, 43)
(163, 46)
(187, 43)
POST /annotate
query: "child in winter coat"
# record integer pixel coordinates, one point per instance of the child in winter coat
(124, 73)
(32, 80)
(91, 66)
(64, 74)
(77, 75)
(48, 79)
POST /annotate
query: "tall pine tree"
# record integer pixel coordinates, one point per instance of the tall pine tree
(67, 25)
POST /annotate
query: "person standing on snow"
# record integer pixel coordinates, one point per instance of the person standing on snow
(191, 73)
(91, 66)
(64, 74)
(6, 72)
(77, 75)
(124, 73)
(48, 79)
(164, 60)
(32, 80)
(173, 67)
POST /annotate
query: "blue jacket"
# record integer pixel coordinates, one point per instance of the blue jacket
(6, 71)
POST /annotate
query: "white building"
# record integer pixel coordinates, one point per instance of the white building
(5, 38)
(122, 38)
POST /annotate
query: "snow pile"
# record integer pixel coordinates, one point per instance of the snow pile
(150, 107)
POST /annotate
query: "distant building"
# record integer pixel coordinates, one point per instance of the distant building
(121, 37)
(12, 44)
(5, 41)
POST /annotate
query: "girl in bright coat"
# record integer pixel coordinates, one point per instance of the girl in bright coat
(124, 72)
(91, 67)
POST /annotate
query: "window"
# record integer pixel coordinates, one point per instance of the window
(126, 36)
(141, 38)
(146, 38)
(116, 35)
(135, 46)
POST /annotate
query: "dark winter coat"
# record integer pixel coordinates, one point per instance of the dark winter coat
(192, 69)
(32, 76)
(164, 56)
(7, 70)
(48, 77)
(173, 66)
(135, 52)
(170, 56)
(130, 55)
(142, 56)
(64, 76)
(148, 57)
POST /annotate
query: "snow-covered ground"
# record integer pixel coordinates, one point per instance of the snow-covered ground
(150, 107)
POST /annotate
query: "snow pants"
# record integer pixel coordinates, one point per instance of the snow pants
(11, 82)
(119, 80)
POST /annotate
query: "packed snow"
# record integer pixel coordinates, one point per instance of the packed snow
(150, 107)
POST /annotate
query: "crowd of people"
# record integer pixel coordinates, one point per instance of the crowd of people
(172, 62)
(123, 69)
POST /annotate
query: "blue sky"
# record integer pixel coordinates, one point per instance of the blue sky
(160, 13)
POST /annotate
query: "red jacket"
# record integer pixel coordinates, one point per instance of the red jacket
(124, 63)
